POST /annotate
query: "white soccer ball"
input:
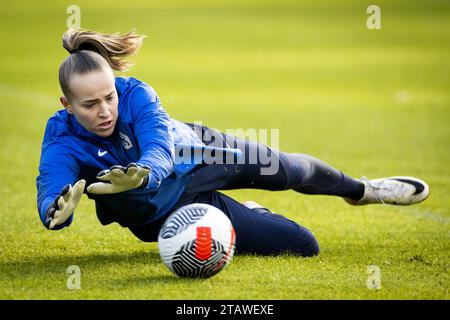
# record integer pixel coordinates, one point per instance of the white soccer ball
(196, 241)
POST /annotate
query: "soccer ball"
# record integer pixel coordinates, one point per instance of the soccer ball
(196, 241)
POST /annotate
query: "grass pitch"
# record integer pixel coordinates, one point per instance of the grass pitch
(369, 102)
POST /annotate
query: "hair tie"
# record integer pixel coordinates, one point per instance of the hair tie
(76, 50)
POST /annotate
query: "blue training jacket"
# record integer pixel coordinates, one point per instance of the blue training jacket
(144, 134)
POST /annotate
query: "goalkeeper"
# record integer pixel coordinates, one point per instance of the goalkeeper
(115, 142)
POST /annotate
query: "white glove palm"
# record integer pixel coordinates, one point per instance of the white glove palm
(120, 179)
(64, 205)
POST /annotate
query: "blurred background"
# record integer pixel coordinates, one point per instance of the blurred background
(373, 102)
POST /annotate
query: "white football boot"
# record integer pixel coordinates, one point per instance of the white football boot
(394, 190)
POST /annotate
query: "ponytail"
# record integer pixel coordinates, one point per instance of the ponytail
(91, 51)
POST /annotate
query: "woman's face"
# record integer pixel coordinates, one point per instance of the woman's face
(94, 101)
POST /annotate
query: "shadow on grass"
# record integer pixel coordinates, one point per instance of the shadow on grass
(145, 268)
(49, 266)
(159, 279)
(37, 265)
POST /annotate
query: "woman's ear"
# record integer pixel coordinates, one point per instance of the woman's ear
(66, 104)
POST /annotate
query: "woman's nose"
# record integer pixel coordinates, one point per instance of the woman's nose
(104, 111)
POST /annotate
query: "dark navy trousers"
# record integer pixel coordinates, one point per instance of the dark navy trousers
(258, 231)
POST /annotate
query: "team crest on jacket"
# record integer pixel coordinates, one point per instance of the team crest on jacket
(126, 141)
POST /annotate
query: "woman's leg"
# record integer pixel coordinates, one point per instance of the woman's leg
(263, 168)
(259, 231)
(310, 175)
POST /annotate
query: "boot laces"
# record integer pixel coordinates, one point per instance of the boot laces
(378, 189)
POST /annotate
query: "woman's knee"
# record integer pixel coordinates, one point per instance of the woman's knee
(306, 244)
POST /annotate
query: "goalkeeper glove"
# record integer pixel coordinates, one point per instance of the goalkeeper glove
(120, 179)
(64, 205)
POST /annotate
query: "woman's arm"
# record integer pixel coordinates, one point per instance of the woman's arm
(154, 134)
(57, 169)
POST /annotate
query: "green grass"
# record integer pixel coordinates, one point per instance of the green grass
(373, 103)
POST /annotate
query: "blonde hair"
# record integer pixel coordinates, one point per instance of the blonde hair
(92, 51)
